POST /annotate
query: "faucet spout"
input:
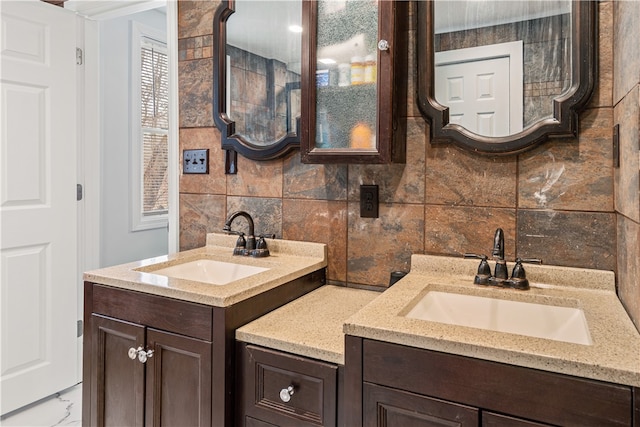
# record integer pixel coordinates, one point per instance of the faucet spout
(251, 240)
(498, 245)
(500, 273)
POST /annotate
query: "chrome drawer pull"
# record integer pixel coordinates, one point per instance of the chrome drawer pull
(286, 393)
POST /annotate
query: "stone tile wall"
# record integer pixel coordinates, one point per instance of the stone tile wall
(555, 202)
(626, 99)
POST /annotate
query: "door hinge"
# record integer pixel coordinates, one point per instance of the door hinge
(78, 56)
(79, 193)
(80, 328)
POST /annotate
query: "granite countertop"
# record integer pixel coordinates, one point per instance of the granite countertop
(311, 325)
(613, 356)
(288, 261)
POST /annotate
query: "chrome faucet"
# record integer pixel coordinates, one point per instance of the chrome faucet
(500, 276)
(248, 246)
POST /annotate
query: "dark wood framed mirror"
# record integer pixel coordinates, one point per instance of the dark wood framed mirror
(256, 69)
(504, 76)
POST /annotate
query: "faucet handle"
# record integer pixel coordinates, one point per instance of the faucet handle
(484, 270)
(518, 278)
(529, 260)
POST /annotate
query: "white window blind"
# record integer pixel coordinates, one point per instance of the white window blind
(154, 122)
(149, 97)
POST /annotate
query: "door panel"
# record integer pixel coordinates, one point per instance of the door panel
(178, 380)
(117, 388)
(38, 291)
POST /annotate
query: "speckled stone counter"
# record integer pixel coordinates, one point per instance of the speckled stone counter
(311, 325)
(613, 356)
(289, 260)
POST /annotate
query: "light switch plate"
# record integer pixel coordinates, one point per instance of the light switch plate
(195, 161)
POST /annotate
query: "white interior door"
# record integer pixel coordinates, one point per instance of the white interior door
(38, 265)
(482, 86)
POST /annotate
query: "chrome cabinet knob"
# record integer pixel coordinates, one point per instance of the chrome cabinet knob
(140, 354)
(286, 393)
(133, 352)
(144, 355)
(383, 45)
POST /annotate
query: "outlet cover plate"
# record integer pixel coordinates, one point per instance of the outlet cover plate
(195, 161)
(368, 201)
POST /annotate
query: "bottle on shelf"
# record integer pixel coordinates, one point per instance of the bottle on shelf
(370, 69)
(362, 137)
(357, 70)
(323, 136)
(344, 74)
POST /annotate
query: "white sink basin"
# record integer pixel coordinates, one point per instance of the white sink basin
(209, 271)
(523, 318)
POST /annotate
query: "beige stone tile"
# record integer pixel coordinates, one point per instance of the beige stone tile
(195, 87)
(195, 18)
(456, 230)
(319, 221)
(603, 90)
(626, 60)
(629, 266)
(627, 176)
(572, 239)
(199, 214)
(256, 178)
(266, 214)
(571, 174)
(378, 246)
(457, 177)
(320, 182)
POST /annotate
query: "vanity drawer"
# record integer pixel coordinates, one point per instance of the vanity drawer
(266, 374)
(167, 314)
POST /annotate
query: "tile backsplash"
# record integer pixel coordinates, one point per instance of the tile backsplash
(562, 202)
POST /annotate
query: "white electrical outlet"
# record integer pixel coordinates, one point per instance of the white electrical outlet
(195, 161)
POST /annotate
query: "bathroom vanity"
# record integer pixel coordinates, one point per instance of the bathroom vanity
(159, 345)
(291, 361)
(403, 368)
(275, 346)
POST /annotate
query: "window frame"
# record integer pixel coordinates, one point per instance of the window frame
(140, 221)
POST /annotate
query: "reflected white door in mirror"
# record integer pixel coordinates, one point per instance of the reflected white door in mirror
(482, 86)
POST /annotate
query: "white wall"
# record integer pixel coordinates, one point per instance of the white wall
(118, 243)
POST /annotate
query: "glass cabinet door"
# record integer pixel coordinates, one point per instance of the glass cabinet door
(354, 73)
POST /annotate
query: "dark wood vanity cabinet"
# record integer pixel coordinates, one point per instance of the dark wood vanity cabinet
(394, 385)
(172, 387)
(281, 389)
(188, 379)
(171, 383)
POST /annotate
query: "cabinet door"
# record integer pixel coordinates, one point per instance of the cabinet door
(388, 407)
(117, 385)
(354, 74)
(178, 380)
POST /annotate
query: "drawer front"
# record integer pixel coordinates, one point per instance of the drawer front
(180, 317)
(285, 390)
(541, 396)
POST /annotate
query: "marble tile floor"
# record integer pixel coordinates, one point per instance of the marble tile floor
(61, 409)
